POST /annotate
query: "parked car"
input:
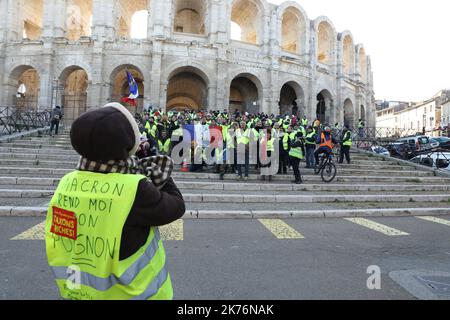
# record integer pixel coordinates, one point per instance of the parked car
(437, 160)
(401, 150)
(444, 142)
(380, 150)
(420, 143)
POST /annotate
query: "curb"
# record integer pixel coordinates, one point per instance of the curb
(256, 214)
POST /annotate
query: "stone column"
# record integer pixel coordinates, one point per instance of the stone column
(154, 84)
(156, 29)
(95, 87)
(104, 13)
(222, 92)
(3, 19)
(301, 107)
(163, 95)
(213, 19)
(222, 22)
(212, 105)
(46, 78)
(14, 25)
(59, 18)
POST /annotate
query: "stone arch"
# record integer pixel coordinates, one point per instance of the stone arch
(325, 106)
(126, 12)
(249, 15)
(79, 19)
(325, 41)
(293, 30)
(349, 113)
(362, 58)
(190, 16)
(32, 12)
(292, 98)
(188, 88)
(29, 76)
(348, 53)
(74, 82)
(246, 93)
(119, 88)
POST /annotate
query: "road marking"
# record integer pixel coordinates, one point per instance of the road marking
(35, 233)
(171, 232)
(377, 227)
(280, 229)
(435, 220)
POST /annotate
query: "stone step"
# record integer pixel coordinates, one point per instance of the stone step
(75, 158)
(249, 188)
(39, 163)
(58, 173)
(36, 151)
(265, 198)
(342, 171)
(179, 176)
(29, 145)
(50, 157)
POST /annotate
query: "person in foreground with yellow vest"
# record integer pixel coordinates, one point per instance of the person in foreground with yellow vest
(101, 233)
(296, 154)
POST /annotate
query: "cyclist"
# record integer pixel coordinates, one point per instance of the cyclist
(326, 143)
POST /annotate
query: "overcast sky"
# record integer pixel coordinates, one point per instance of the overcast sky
(408, 41)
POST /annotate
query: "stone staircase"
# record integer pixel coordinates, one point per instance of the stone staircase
(30, 169)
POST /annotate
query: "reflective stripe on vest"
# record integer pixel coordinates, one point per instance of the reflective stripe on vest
(326, 143)
(349, 141)
(310, 136)
(100, 205)
(296, 153)
(164, 147)
(151, 129)
(286, 142)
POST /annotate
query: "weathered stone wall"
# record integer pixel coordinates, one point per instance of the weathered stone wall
(284, 47)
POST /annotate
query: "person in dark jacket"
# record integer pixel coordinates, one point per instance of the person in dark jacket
(55, 117)
(157, 200)
(296, 153)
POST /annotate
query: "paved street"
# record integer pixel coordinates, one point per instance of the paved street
(261, 259)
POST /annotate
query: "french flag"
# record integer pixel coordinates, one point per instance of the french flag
(134, 90)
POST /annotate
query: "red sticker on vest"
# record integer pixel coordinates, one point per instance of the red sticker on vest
(64, 223)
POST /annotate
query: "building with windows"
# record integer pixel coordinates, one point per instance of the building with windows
(75, 53)
(425, 116)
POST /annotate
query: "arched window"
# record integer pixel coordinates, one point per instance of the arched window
(78, 19)
(190, 16)
(349, 55)
(363, 64)
(248, 14)
(32, 12)
(326, 43)
(139, 25)
(133, 19)
(293, 35)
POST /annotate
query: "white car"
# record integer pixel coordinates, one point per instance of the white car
(436, 160)
(380, 150)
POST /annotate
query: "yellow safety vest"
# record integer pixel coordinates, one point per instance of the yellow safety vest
(296, 153)
(349, 142)
(83, 234)
(164, 147)
(151, 129)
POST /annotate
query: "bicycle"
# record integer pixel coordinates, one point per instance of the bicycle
(326, 168)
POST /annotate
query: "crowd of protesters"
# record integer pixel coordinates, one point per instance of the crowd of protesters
(294, 139)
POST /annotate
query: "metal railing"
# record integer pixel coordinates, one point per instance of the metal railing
(13, 120)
